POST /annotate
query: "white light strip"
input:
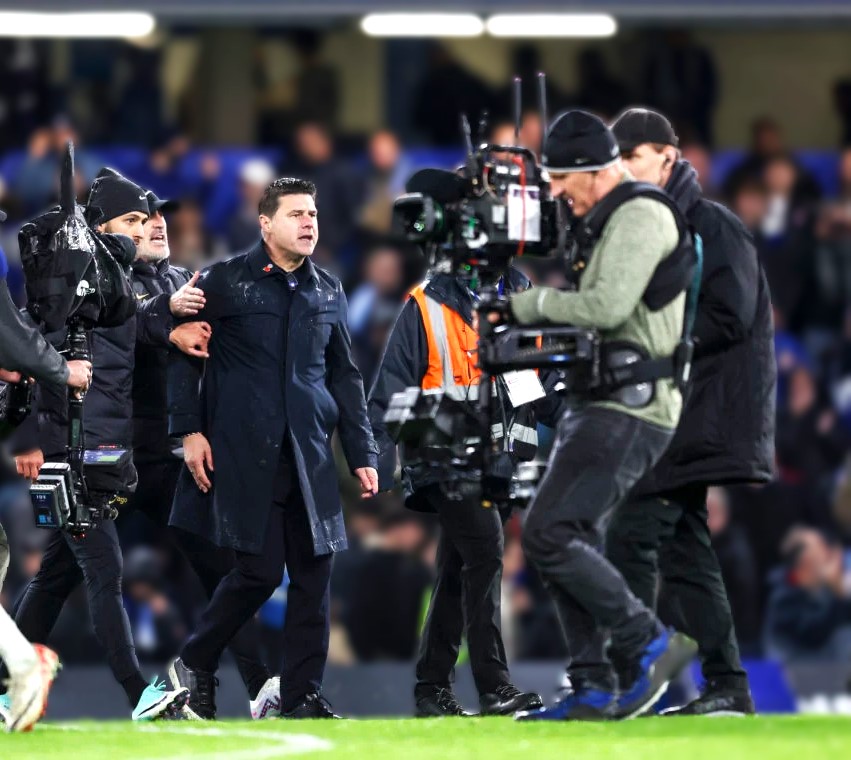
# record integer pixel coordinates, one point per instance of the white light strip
(119, 24)
(422, 25)
(551, 25)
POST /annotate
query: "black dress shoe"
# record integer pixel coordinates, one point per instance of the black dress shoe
(202, 690)
(718, 700)
(312, 706)
(438, 703)
(508, 699)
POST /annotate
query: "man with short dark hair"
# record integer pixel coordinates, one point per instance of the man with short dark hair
(167, 294)
(725, 435)
(256, 424)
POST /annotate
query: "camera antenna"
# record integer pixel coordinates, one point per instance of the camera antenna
(67, 193)
(542, 107)
(483, 127)
(468, 137)
(517, 94)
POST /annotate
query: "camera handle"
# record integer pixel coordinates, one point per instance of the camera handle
(78, 342)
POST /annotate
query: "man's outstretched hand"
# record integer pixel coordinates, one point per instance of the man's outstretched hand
(188, 300)
(192, 338)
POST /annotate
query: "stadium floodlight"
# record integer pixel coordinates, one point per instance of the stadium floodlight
(551, 25)
(422, 25)
(122, 24)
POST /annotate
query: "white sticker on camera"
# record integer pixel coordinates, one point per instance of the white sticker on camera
(523, 386)
(524, 213)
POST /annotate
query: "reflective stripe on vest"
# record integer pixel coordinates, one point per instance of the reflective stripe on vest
(452, 347)
(522, 439)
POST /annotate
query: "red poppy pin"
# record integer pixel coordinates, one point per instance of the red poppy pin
(267, 268)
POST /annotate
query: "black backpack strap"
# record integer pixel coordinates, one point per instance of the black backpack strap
(596, 219)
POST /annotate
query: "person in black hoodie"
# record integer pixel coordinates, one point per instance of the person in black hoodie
(725, 434)
(437, 324)
(116, 206)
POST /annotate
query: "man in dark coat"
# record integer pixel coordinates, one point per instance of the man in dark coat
(725, 435)
(167, 294)
(260, 476)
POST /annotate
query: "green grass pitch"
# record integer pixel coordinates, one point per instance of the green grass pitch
(765, 738)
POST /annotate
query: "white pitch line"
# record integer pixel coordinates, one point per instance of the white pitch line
(284, 743)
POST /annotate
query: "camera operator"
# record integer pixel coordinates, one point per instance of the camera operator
(166, 294)
(725, 434)
(437, 328)
(608, 440)
(31, 668)
(115, 205)
(280, 379)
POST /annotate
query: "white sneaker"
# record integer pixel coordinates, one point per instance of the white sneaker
(268, 702)
(28, 692)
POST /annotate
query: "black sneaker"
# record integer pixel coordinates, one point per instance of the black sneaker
(312, 706)
(438, 703)
(508, 699)
(717, 700)
(202, 690)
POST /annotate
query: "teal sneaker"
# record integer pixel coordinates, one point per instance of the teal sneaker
(158, 702)
(5, 708)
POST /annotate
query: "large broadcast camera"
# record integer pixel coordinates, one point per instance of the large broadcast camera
(473, 223)
(76, 279)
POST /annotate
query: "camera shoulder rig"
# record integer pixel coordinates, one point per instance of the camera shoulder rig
(681, 270)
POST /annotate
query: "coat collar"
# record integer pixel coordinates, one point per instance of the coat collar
(260, 265)
(145, 267)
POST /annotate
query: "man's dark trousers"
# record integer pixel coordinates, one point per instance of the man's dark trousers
(95, 559)
(155, 489)
(468, 587)
(211, 563)
(254, 578)
(668, 534)
(599, 454)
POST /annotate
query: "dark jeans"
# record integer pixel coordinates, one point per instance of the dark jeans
(95, 559)
(466, 594)
(253, 579)
(153, 498)
(668, 535)
(597, 457)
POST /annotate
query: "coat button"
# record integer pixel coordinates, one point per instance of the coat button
(262, 463)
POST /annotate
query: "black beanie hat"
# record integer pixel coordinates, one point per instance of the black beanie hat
(637, 126)
(578, 141)
(113, 195)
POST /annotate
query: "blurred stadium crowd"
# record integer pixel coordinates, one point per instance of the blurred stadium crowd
(785, 549)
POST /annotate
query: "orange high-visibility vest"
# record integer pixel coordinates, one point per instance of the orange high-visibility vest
(452, 359)
(452, 347)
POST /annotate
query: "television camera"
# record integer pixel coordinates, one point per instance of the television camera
(472, 223)
(76, 279)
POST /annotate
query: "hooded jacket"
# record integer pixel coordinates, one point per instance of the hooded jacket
(726, 431)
